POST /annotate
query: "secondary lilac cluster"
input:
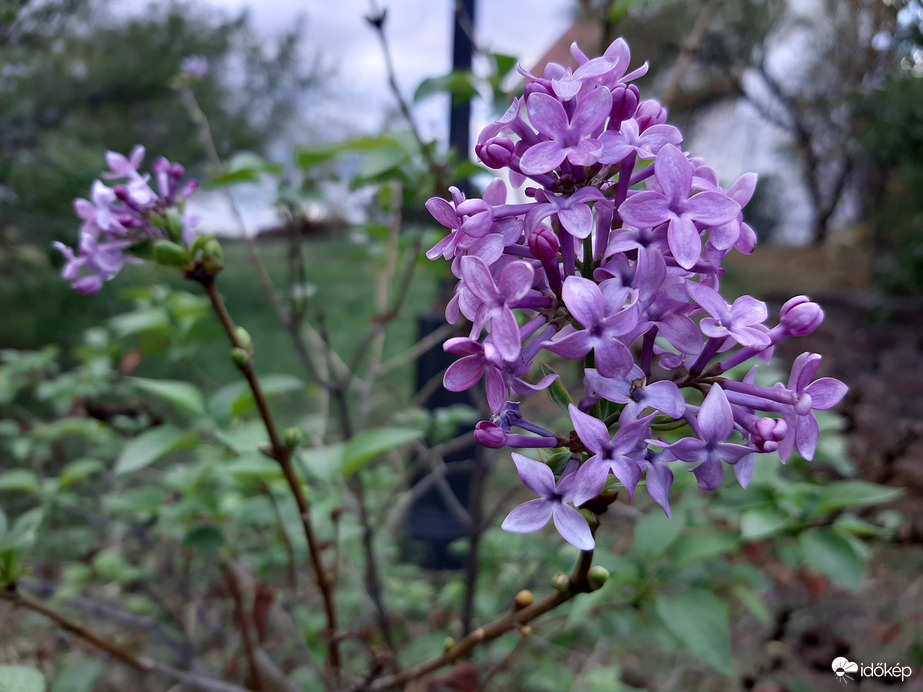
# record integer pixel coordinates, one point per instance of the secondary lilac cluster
(130, 213)
(614, 261)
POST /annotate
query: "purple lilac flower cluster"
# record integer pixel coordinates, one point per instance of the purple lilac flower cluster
(130, 214)
(615, 262)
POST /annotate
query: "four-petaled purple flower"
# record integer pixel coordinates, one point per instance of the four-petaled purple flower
(552, 503)
(675, 205)
(713, 426)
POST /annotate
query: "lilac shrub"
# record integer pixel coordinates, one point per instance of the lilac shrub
(616, 263)
(130, 215)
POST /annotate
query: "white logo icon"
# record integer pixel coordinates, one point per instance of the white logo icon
(841, 667)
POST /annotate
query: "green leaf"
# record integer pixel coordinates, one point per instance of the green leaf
(140, 321)
(753, 603)
(365, 145)
(700, 621)
(19, 481)
(504, 63)
(378, 162)
(324, 463)
(205, 539)
(309, 158)
(147, 499)
(80, 677)
(848, 494)
(827, 552)
(78, 470)
(21, 679)
(22, 533)
(246, 167)
(699, 544)
(371, 444)
(460, 84)
(149, 447)
(756, 524)
(252, 468)
(183, 396)
(855, 526)
(273, 385)
(556, 391)
(654, 534)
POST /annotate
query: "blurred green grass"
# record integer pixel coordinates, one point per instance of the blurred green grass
(40, 308)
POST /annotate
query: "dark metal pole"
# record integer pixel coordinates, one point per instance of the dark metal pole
(432, 525)
(462, 51)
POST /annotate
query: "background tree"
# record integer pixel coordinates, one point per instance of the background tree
(77, 79)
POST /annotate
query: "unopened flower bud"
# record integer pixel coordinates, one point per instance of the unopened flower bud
(597, 577)
(489, 435)
(480, 217)
(650, 113)
(174, 225)
(523, 600)
(292, 437)
(496, 152)
(544, 244)
(240, 357)
(244, 340)
(561, 582)
(212, 265)
(213, 247)
(448, 644)
(625, 99)
(525, 630)
(170, 254)
(800, 317)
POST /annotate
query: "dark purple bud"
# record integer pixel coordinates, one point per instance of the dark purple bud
(177, 171)
(544, 244)
(121, 193)
(625, 99)
(496, 152)
(489, 435)
(800, 317)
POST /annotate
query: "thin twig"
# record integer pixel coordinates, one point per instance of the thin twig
(293, 327)
(286, 540)
(513, 620)
(244, 625)
(144, 666)
(282, 453)
(475, 531)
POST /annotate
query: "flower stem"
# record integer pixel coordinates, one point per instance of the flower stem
(282, 453)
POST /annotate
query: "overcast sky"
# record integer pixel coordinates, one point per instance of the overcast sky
(357, 97)
(420, 35)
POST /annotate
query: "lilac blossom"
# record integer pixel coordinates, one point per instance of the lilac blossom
(675, 205)
(619, 455)
(568, 138)
(132, 213)
(709, 448)
(602, 325)
(616, 264)
(552, 503)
